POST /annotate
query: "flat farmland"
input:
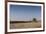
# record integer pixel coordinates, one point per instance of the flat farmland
(25, 25)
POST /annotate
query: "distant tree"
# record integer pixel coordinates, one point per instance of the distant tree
(34, 19)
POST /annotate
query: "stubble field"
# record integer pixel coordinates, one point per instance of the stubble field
(25, 25)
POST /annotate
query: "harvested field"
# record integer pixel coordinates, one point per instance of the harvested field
(25, 25)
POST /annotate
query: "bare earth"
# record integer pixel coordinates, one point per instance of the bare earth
(25, 25)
